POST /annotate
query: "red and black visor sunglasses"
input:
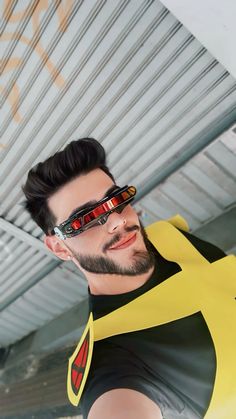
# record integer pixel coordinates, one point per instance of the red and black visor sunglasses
(95, 215)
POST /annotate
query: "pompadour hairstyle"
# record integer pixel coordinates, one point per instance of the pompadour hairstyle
(79, 157)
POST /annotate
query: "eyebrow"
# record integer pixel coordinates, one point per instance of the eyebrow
(93, 202)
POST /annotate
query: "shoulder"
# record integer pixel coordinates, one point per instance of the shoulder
(125, 403)
(207, 249)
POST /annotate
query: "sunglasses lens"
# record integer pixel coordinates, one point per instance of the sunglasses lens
(117, 201)
(120, 208)
(76, 224)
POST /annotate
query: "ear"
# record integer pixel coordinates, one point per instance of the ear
(55, 245)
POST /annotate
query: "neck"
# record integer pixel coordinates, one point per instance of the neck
(116, 284)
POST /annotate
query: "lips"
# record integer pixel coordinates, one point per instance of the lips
(125, 242)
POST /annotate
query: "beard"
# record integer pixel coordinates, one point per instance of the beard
(143, 260)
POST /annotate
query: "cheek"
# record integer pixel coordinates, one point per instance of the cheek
(92, 240)
(87, 242)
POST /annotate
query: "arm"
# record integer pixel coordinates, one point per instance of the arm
(124, 403)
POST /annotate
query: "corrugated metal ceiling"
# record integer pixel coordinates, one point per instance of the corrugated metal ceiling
(129, 74)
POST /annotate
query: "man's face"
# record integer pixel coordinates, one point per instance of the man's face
(119, 246)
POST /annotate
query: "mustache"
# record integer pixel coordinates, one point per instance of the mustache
(115, 239)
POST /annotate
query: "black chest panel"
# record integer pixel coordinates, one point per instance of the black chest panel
(173, 364)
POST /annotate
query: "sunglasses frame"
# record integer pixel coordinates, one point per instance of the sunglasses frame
(95, 215)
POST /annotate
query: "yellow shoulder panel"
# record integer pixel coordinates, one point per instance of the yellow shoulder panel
(79, 364)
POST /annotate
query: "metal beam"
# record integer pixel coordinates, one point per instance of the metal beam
(25, 237)
(36, 244)
(210, 134)
(62, 331)
(33, 281)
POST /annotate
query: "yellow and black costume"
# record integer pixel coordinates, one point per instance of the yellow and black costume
(173, 339)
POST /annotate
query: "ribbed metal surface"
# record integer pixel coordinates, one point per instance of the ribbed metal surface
(129, 74)
(54, 294)
(41, 396)
(201, 190)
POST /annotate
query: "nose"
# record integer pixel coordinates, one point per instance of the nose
(115, 221)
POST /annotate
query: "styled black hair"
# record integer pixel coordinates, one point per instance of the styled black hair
(79, 157)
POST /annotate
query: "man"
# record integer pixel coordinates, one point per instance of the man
(153, 297)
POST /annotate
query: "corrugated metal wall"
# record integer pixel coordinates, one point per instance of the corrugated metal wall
(129, 74)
